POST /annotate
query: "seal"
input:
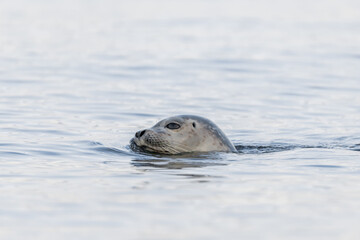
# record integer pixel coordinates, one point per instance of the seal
(183, 134)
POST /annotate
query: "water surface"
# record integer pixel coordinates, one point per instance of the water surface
(79, 78)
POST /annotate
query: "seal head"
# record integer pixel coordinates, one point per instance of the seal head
(183, 134)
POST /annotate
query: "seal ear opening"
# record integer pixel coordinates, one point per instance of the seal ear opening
(194, 124)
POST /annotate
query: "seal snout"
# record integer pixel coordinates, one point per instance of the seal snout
(140, 133)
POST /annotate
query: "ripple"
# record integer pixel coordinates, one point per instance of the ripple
(4, 153)
(271, 148)
(174, 164)
(355, 147)
(136, 114)
(322, 166)
(111, 150)
(47, 153)
(47, 131)
(259, 149)
(7, 144)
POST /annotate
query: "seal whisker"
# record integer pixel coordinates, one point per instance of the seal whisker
(170, 149)
(179, 147)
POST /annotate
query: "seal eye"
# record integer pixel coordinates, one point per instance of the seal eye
(173, 126)
(194, 125)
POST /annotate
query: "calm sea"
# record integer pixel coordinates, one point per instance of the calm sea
(79, 78)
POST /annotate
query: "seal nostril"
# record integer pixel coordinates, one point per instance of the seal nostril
(140, 133)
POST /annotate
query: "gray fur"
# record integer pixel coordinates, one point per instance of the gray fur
(196, 134)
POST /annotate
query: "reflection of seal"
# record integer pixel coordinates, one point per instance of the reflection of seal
(181, 134)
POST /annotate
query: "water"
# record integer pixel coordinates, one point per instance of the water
(79, 78)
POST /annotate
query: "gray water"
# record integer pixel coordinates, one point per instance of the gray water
(79, 78)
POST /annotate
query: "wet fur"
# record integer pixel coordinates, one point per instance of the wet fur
(196, 134)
